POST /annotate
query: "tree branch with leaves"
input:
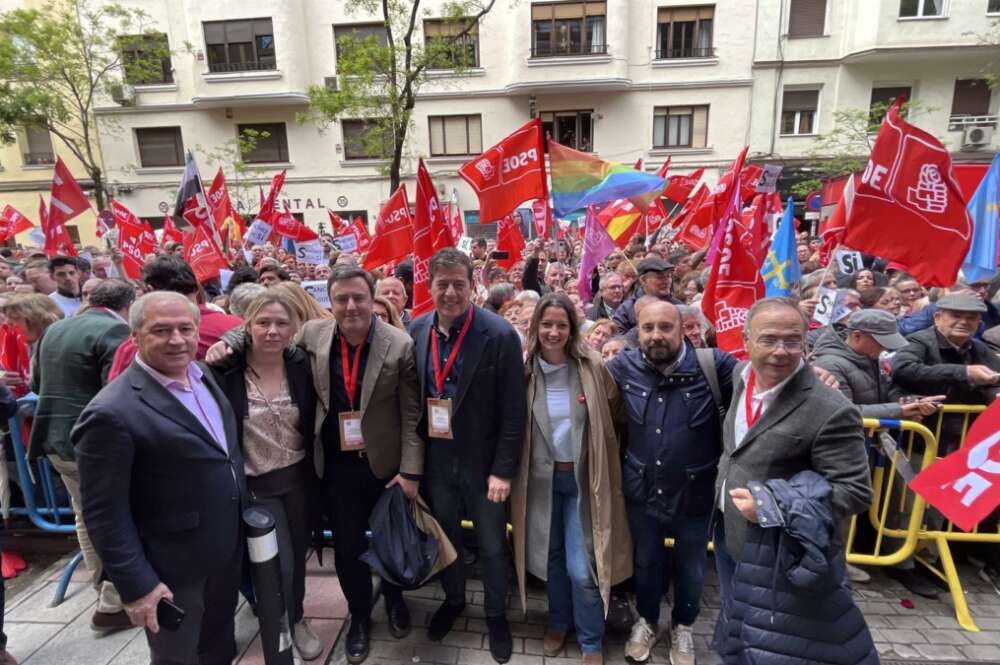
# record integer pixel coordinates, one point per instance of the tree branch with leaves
(380, 77)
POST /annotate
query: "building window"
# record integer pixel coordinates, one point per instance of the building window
(993, 7)
(37, 146)
(573, 129)
(883, 99)
(271, 143)
(448, 54)
(798, 112)
(240, 46)
(456, 135)
(160, 146)
(970, 103)
(353, 34)
(146, 59)
(807, 18)
(680, 126)
(922, 8)
(365, 139)
(568, 28)
(684, 32)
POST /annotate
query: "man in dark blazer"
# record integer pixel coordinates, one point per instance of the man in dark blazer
(71, 365)
(162, 484)
(474, 406)
(783, 420)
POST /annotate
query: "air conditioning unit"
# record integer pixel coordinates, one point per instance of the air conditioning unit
(330, 82)
(123, 94)
(975, 137)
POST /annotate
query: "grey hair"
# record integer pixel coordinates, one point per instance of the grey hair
(607, 276)
(774, 302)
(242, 296)
(137, 315)
(528, 295)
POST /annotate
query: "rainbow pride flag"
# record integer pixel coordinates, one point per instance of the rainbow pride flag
(580, 180)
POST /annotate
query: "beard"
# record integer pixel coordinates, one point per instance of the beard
(660, 353)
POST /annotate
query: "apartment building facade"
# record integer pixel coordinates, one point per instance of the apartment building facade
(623, 79)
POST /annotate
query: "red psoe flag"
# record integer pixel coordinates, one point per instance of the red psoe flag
(221, 204)
(510, 240)
(679, 187)
(67, 201)
(542, 214)
(908, 201)
(509, 173)
(287, 226)
(130, 245)
(339, 226)
(734, 285)
(965, 485)
(13, 222)
(361, 235)
(832, 229)
(393, 232)
(170, 232)
(203, 255)
(428, 226)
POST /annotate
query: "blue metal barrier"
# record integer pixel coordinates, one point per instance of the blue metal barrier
(50, 516)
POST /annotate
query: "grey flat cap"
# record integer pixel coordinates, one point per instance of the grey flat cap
(880, 324)
(961, 302)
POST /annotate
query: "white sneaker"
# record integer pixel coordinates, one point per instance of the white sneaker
(306, 642)
(681, 646)
(640, 642)
(858, 575)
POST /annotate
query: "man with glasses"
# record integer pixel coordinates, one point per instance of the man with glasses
(607, 301)
(781, 421)
(656, 277)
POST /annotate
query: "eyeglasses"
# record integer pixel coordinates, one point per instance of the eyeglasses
(768, 343)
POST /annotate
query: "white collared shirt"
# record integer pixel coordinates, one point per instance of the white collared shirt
(762, 399)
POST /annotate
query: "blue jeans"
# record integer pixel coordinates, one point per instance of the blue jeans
(686, 560)
(574, 599)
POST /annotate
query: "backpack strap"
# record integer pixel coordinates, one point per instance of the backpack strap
(706, 361)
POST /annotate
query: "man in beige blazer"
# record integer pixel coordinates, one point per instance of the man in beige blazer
(366, 435)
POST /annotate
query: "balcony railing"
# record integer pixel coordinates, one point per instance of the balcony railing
(959, 122)
(680, 53)
(556, 50)
(39, 158)
(264, 64)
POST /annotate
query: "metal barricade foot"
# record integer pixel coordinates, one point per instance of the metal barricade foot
(64, 580)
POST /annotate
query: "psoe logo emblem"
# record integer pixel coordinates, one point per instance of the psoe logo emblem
(486, 169)
(931, 192)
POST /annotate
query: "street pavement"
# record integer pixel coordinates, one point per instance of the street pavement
(927, 632)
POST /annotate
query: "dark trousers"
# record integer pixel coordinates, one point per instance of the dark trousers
(447, 486)
(350, 491)
(291, 511)
(685, 562)
(725, 565)
(207, 634)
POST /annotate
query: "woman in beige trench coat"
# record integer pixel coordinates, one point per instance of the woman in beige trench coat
(567, 508)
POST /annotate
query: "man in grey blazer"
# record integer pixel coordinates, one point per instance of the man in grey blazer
(783, 420)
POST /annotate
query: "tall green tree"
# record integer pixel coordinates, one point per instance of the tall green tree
(379, 77)
(57, 61)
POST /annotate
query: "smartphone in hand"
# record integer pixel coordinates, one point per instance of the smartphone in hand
(169, 615)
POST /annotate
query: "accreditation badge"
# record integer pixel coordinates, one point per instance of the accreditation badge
(439, 418)
(350, 431)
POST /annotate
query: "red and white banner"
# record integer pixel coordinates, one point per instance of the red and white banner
(965, 485)
(430, 234)
(13, 222)
(543, 217)
(339, 226)
(203, 255)
(222, 205)
(67, 201)
(287, 226)
(908, 201)
(170, 232)
(509, 173)
(679, 187)
(510, 240)
(393, 232)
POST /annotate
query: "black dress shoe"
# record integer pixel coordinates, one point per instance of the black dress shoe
(399, 616)
(358, 637)
(501, 644)
(443, 620)
(913, 581)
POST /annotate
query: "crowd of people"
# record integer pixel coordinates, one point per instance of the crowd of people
(597, 427)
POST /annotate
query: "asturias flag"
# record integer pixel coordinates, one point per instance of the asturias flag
(984, 208)
(781, 267)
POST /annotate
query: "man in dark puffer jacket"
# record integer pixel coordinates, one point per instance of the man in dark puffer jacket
(790, 599)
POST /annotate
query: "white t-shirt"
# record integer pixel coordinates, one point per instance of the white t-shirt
(67, 305)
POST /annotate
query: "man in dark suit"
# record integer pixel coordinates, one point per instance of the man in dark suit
(71, 365)
(162, 483)
(781, 421)
(474, 405)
